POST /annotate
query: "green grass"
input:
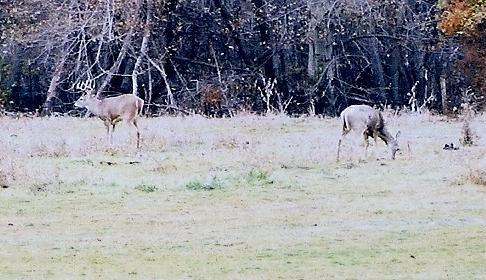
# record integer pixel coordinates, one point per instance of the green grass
(146, 188)
(198, 185)
(242, 198)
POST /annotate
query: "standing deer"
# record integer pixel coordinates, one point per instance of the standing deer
(111, 110)
(373, 125)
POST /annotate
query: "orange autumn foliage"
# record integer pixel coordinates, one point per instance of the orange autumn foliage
(467, 18)
(455, 16)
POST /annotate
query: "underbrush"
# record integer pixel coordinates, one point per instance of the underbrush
(476, 174)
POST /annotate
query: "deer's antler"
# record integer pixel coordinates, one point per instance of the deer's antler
(81, 85)
(87, 85)
(90, 84)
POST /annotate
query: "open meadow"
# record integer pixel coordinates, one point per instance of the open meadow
(243, 198)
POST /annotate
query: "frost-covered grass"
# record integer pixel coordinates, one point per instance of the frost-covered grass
(243, 198)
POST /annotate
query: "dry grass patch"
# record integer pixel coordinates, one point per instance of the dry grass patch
(244, 198)
(476, 174)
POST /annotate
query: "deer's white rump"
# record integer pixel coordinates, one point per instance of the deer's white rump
(111, 110)
(371, 121)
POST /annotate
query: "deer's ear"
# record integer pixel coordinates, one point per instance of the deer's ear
(398, 134)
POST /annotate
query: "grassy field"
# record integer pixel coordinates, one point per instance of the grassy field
(242, 198)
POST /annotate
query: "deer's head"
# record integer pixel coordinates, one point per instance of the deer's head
(88, 88)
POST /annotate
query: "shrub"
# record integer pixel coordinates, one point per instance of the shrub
(146, 188)
(468, 135)
(258, 177)
(197, 185)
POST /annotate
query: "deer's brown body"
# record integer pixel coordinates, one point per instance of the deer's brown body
(372, 124)
(112, 110)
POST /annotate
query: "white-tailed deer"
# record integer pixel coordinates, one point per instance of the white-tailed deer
(111, 110)
(371, 121)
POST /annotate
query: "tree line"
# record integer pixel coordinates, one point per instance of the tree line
(221, 57)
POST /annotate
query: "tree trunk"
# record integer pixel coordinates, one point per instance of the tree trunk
(312, 37)
(443, 93)
(377, 66)
(170, 34)
(311, 62)
(229, 23)
(331, 66)
(434, 77)
(52, 90)
(150, 87)
(143, 48)
(265, 39)
(395, 76)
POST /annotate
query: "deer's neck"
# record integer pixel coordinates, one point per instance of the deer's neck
(95, 106)
(387, 137)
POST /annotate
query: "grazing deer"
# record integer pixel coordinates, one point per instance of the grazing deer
(111, 110)
(373, 125)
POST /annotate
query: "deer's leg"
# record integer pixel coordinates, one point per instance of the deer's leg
(382, 136)
(339, 149)
(367, 143)
(112, 131)
(345, 132)
(138, 133)
(107, 125)
(133, 123)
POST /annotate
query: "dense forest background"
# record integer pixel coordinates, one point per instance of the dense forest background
(221, 57)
